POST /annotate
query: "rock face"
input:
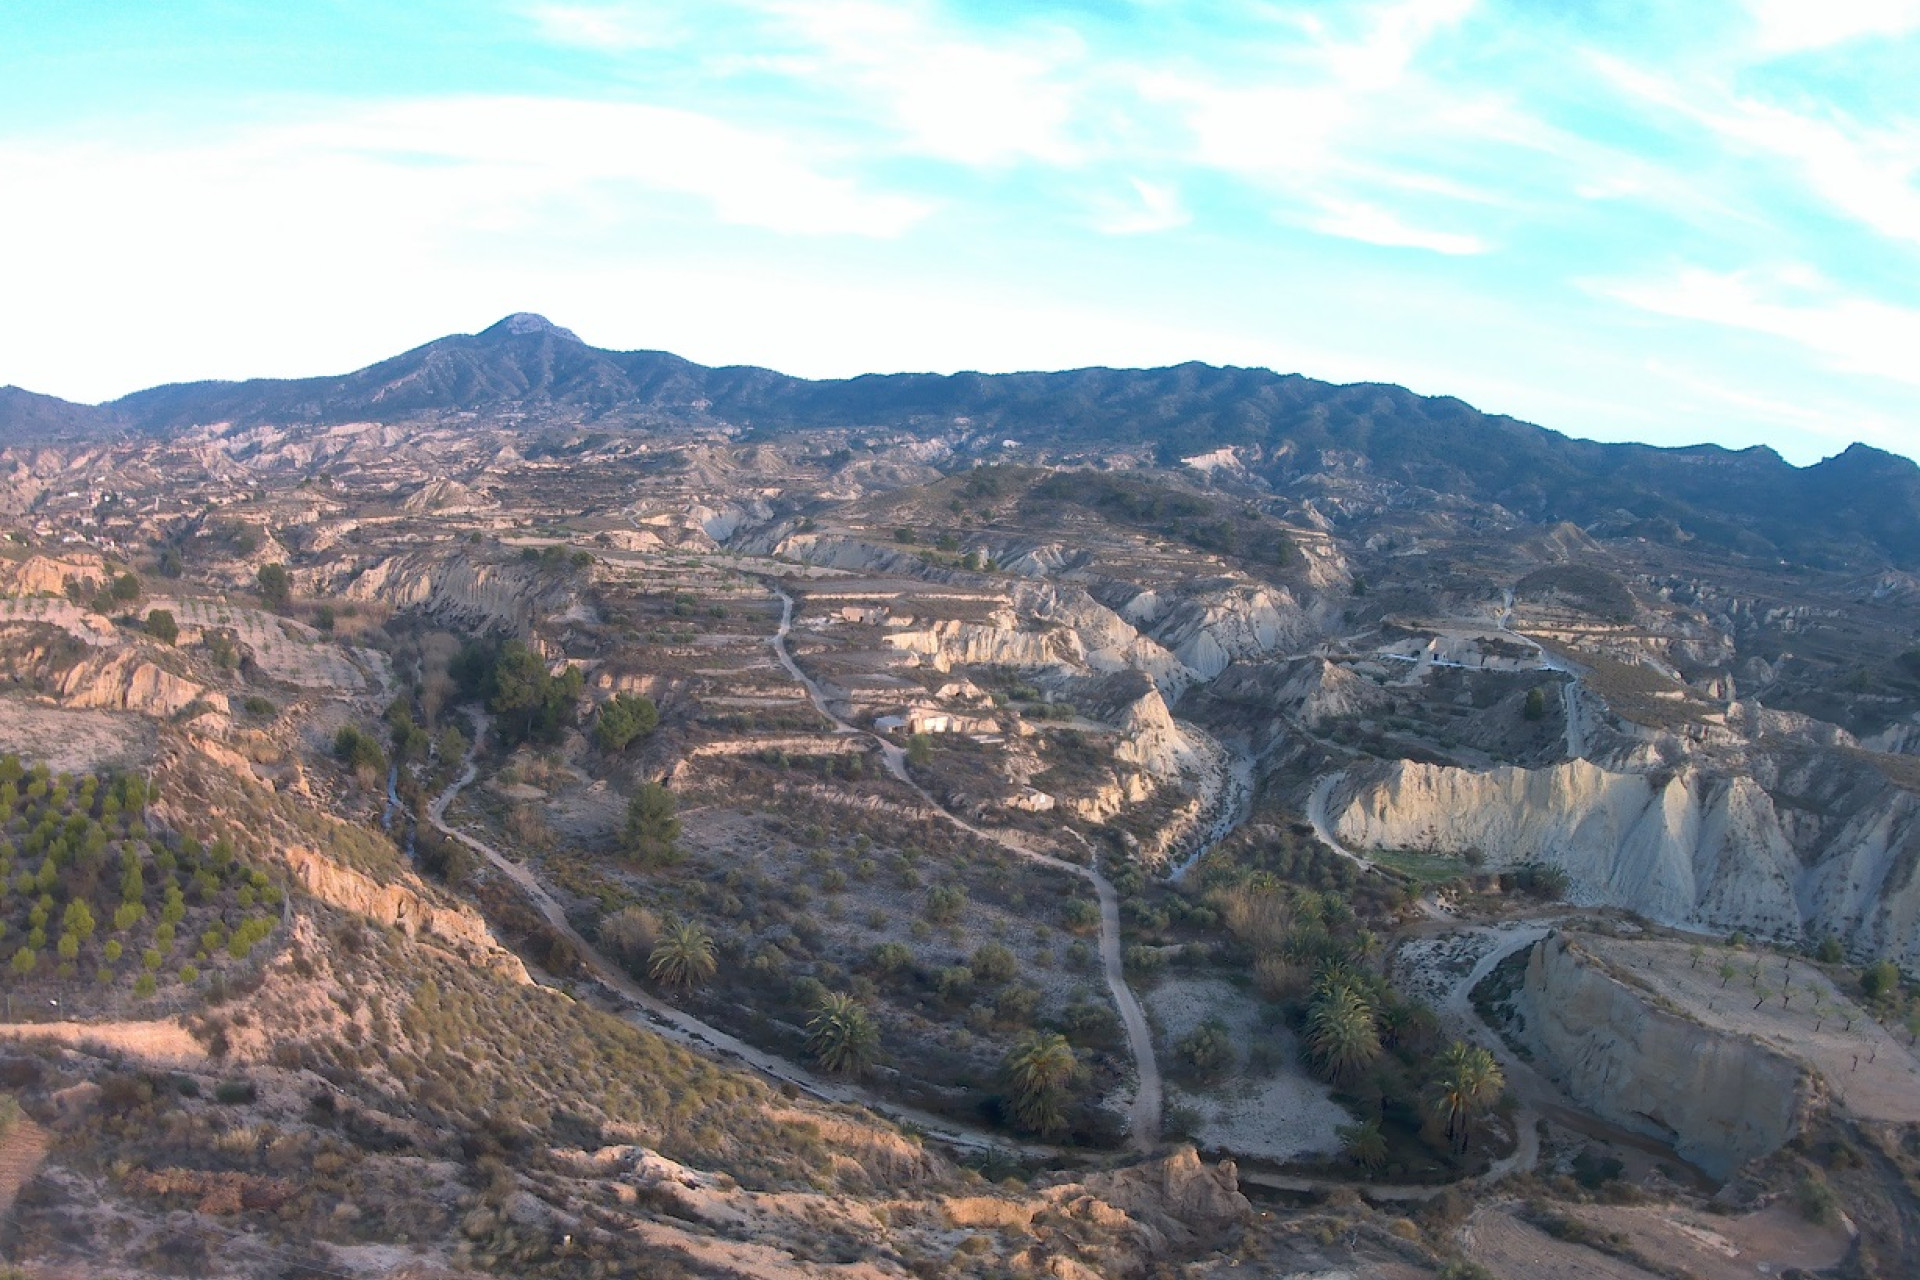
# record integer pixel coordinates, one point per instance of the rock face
(1720, 1099)
(1210, 630)
(454, 587)
(41, 575)
(405, 908)
(1691, 848)
(1074, 632)
(1179, 1197)
(127, 682)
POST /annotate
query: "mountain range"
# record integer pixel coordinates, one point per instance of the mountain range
(1859, 509)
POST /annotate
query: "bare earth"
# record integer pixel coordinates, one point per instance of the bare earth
(20, 1154)
(1498, 1240)
(1885, 1083)
(1766, 1242)
(1274, 1113)
(156, 1041)
(74, 741)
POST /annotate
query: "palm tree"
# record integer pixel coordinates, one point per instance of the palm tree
(1364, 1144)
(1342, 1037)
(1466, 1083)
(683, 957)
(1039, 1068)
(841, 1036)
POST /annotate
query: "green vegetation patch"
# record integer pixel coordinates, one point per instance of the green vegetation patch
(1201, 522)
(98, 905)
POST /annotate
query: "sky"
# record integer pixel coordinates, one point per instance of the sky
(1620, 219)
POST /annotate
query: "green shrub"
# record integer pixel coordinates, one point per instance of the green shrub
(235, 1092)
(1879, 980)
(625, 717)
(944, 903)
(162, 627)
(1818, 1203)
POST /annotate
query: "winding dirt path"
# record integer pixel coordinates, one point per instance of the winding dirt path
(683, 1028)
(1458, 1018)
(1578, 731)
(1144, 1112)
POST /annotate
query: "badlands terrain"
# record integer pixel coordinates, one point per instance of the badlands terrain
(521, 809)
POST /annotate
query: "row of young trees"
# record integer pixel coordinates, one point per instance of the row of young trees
(84, 884)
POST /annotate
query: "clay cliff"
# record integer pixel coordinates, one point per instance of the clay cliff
(1720, 1099)
(1804, 846)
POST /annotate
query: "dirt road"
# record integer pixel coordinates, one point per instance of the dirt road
(1144, 1111)
(683, 1028)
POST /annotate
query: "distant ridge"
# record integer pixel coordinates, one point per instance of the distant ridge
(1862, 505)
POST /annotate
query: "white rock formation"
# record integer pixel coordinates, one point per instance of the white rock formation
(1689, 848)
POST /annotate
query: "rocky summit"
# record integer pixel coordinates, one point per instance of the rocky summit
(525, 809)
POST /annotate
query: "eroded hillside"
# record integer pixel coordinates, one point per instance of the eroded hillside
(528, 835)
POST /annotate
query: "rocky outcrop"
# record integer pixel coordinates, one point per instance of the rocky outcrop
(1835, 853)
(1211, 629)
(1720, 1099)
(1047, 625)
(952, 643)
(42, 575)
(404, 907)
(446, 497)
(456, 587)
(128, 682)
(1179, 1199)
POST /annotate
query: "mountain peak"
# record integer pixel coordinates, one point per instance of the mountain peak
(523, 322)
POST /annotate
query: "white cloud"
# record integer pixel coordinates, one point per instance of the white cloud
(1354, 220)
(381, 219)
(934, 88)
(1868, 174)
(530, 146)
(1792, 26)
(611, 28)
(1849, 334)
(1395, 37)
(1155, 207)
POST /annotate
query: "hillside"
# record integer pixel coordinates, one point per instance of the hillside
(1289, 433)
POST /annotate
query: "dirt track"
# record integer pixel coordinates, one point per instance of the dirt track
(1144, 1112)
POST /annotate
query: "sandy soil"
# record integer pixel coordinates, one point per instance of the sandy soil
(1514, 1250)
(83, 624)
(1428, 969)
(74, 741)
(157, 1041)
(1276, 1112)
(24, 1147)
(1869, 1069)
(1764, 1243)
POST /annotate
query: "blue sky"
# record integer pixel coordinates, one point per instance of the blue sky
(1623, 220)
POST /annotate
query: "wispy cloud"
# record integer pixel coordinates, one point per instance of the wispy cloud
(1356, 221)
(1794, 26)
(612, 28)
(1847, 333)
(1871, 174)
(1387, 165)
(1154, 206)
